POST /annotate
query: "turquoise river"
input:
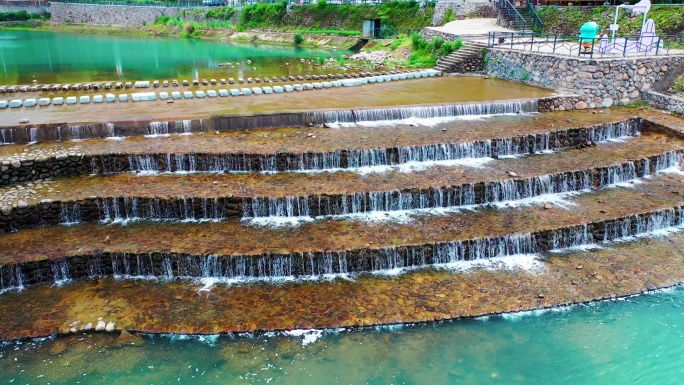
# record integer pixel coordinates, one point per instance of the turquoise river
(49, 57)
(638, 340)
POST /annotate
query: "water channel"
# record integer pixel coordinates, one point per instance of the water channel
(634, 341)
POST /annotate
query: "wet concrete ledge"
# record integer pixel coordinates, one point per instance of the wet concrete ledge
(29, 133)
(71, 164)
(105, 208)
(171, 265)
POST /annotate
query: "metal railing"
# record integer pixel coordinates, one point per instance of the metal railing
(511, 14)
(574, 46)
(537, 23)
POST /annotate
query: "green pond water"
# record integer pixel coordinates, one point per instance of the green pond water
(635, 341)
(67, 58)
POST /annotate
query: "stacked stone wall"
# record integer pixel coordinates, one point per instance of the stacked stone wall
(120, 15)
(28, 6)
(599, 82)
(665, 102)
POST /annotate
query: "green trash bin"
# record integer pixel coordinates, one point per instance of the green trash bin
(588, 32)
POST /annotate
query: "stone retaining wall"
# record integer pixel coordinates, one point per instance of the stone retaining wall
(665, 102)
(28, 6)
(602, 82)
(429, 34)
(462, 10)
(120, 15)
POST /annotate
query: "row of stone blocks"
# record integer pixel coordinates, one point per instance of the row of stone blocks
(144, 96)
(175, 83)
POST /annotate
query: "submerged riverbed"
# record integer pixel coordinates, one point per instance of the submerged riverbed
(634, 341)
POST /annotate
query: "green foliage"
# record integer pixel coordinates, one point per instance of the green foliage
(350, 17)
(191, 30)
(339, 32)
(567, 20)
(448, 16)
(678, 85)
(425, 54)
(298, 39)
(263, 15)
(220, 13)
(525, 76)
(22, 16)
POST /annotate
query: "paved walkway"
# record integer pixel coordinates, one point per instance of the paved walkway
(472, 27)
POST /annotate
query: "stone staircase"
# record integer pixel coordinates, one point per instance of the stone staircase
(466, 59)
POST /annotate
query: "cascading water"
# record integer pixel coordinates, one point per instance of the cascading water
(60, 271)
(158, 129)
(183, 126)
(70, 214)
(571, 237)
(11, 278)
(642, 224)
(7, 135)
(143, 163)
(606, 132)
(34, 134)
(123, 209)
(428, 112)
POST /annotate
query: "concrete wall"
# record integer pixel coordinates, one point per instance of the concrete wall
(463, 10)
(602, 82)
(28, 6)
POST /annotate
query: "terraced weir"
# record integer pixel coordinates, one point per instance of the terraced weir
(372, 192)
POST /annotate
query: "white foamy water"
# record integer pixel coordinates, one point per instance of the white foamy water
(417, 122)
(527, 262)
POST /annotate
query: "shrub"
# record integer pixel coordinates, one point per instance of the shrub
(448, 16)
(298, 39)
(220, 13)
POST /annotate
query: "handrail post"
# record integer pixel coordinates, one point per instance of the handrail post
(555, 38)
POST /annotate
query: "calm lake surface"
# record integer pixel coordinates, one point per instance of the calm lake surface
(636, 341)
(67, 58)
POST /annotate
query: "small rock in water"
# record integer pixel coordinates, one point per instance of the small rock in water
(579, 267)
(548, 206)
(100, 326)
(214, 182)
(310, 124)
(126, 338)
(602, 211)
(511, 173)
(541, 295)
(216, 132)
(443, 129)
(309, 134)
(23, 120)
(88, 326)
(106, 240)
(110, 327)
